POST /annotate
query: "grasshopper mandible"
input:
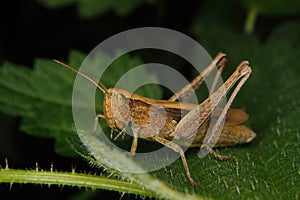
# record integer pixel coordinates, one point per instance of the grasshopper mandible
(121, 109)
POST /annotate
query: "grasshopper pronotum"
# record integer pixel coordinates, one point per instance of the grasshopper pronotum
(121, 109)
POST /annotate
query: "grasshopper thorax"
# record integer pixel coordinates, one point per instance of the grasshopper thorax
(117, 109)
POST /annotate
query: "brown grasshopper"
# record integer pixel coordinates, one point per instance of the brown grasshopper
(162, 120)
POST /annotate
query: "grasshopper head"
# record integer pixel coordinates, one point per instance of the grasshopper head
(116, 102)
(117, 108)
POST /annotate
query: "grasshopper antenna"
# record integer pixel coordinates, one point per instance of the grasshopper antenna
(98, 84)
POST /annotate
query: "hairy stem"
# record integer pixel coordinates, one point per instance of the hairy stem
(71, 179)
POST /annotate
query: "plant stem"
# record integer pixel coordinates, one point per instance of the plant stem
(250, 20)
(71, 179)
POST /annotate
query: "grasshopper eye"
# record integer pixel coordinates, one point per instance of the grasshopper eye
(120, 98)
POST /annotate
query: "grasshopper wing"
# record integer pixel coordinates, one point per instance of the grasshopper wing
(233, 116)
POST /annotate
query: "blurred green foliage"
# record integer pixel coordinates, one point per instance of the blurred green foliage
(93, 8)
(274, 7)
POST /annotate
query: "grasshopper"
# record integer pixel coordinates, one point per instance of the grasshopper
(162, 120)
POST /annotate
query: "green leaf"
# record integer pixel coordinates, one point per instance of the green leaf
(43, 96)
(268, 167)
(88, 9)
(35, 96)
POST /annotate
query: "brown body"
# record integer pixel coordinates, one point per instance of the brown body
(172, 123)
(160, 117)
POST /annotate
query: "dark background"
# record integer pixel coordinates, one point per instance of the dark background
(29, 30)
